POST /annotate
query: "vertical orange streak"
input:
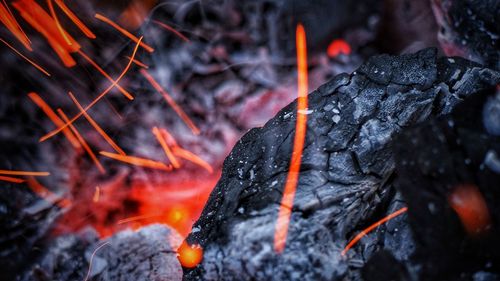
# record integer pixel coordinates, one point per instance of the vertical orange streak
(97, 194)
(165, 147)
(24, 173)
(96, 126)
(54, 118)
(188, 155)
(46, 194)
(139, 63)
(25, 58)
(92, 258)
(137, 161)
(43, 23)
(171, 102)
(54, 16)
(168, 138)
(8, 19)
(83, 142)
(124, 31)
(11, 179)
(96, 66)
(103, 94)
(171, 29)
(372, 227)
(75, 19)
(285, 209)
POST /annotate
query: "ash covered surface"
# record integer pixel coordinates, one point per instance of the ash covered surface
(347, 175)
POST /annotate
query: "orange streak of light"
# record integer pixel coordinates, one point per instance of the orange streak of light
(103, 94)
(24, 173)
(96, 66)
(471, 208)
(58, 24)
(54, 118)
(188, 155)
(25, 58)
(97, 194)
(11, 179)
(171, 102)
(137, 161)
(75, 19)
(8, 19)
(92, 259)
(46, 194)
(189, 255)
(166, 148)
(136, 218)
(124, 31)
(139, 63)
(83, 142)
(43, 23)
(171, 29)
(96, 126)
(338, 47)
(372, 227)
(283, 221)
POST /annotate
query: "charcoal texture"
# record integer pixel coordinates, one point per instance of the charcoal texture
(435, 159)
(346, 177)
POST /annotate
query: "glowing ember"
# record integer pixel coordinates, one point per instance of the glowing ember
(190, 255)
(27, 59)
(298, 144)
(11, 179)
(372, 227)
(24, 173)
(75, 19)
(470, 206)
(54, 16)
(165, 147)
(338, 47)
(137, 161)
(46, 194)
(8, 19)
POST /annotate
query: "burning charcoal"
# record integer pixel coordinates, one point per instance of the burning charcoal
(347, 171)
(470, 29)
(452, 193)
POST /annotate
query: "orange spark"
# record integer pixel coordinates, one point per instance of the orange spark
(92, 258)
(83, 142)
(11, 179)
(54, 118)
(471, 208)
(58, 24)
(338, 47)
(137, 161)
(166, 148)
(103, 94)
(46, 194)
(96, 126)
(96, 66)
(189, 255)
(281, 231)
(24, 173)
(188, 155)
(171, 29)
(8, 19)
(25, 58)
(75, 19)
(136, 218)
(97, 194)
(139, 63)
(36, 16)
(124, 31)
(171, 102)
(372, 227)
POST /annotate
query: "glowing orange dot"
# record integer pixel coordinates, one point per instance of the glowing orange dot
(190, 255)
(470, 206)
(338, 47)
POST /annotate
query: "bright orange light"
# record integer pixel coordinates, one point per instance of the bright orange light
(11, 179)
(97, 194)
(137, 161)
(283, 222)
(103, 94)
(190, 255)
(338, 47)
(75, 19)
(25, 58)
(8, 19)
(372, 227)
(54, 16)
(188, 155)
(166, 148)
(171, 29)
(470, 206)
(24, 173)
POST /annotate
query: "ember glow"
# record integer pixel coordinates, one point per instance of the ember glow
(298, 144)
(470, 206)
(338, 47)
(190, 255)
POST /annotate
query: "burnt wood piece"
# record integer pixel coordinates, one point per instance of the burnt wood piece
(433, 161)
(346, 178)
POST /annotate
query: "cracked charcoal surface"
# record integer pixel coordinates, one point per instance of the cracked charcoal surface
(462, 144)
(346, 178)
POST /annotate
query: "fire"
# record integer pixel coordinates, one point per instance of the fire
(190, 255)
(470, 206)
(338, 47)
